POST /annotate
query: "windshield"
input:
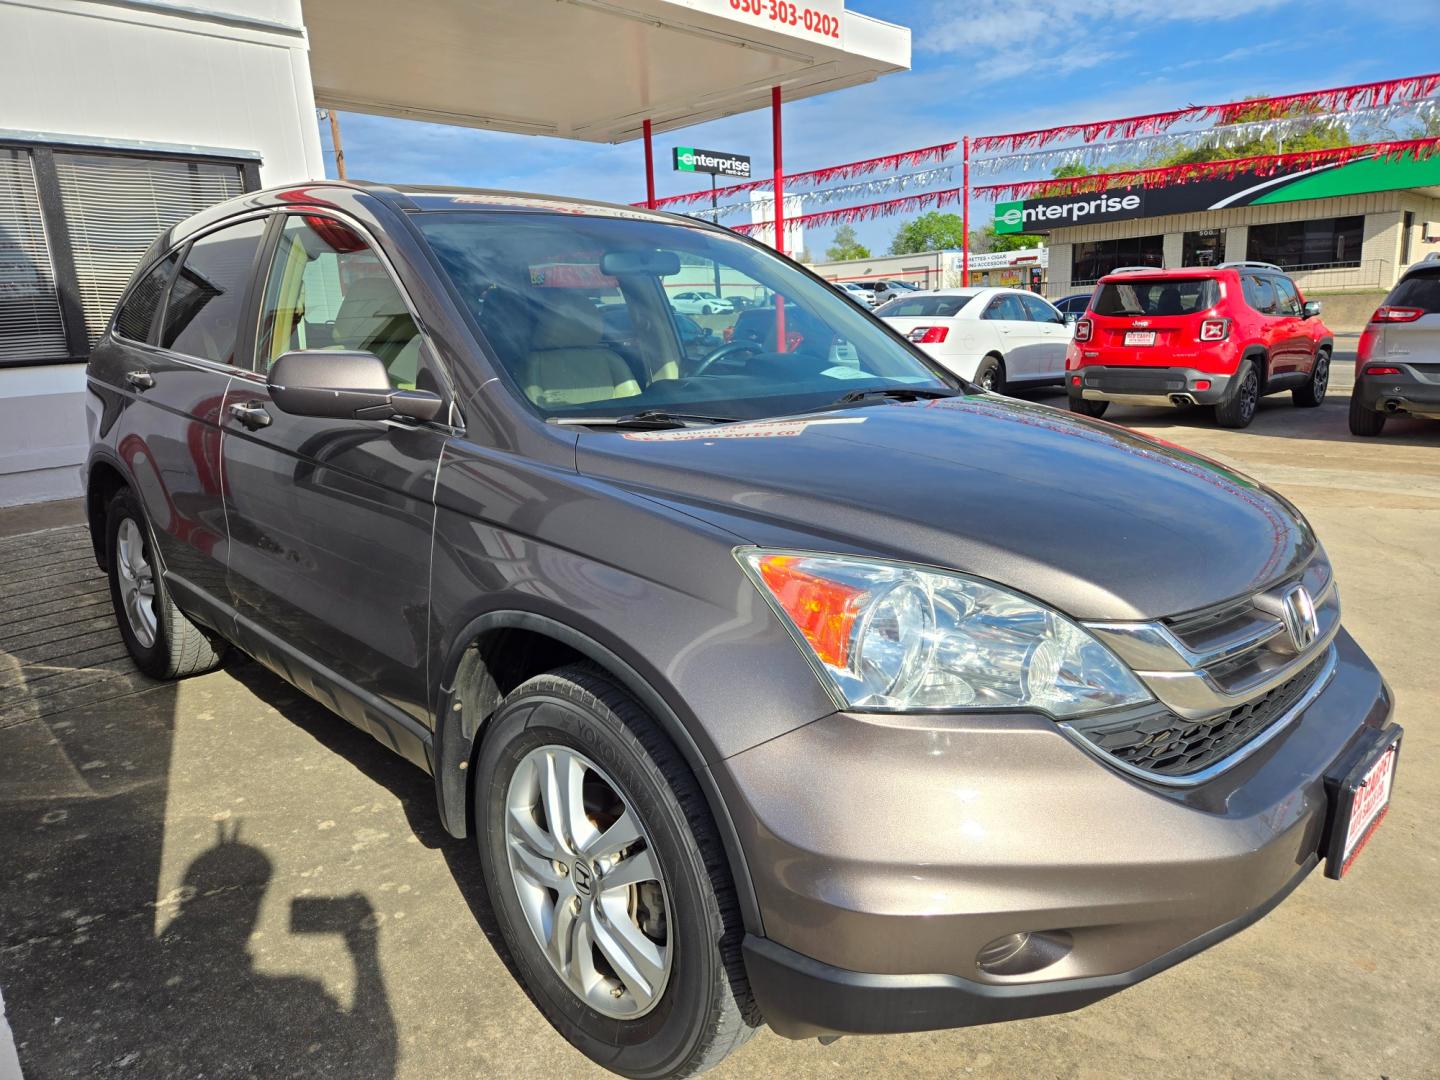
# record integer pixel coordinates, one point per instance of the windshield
(1168, 296)
(612, 316)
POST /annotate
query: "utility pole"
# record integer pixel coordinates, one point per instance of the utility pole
(335, 141)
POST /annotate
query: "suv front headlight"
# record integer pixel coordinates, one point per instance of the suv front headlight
(898, 638)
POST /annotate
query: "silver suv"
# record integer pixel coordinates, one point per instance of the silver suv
(1397, 365)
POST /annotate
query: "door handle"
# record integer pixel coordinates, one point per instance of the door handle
(140, 380)
(250, 413)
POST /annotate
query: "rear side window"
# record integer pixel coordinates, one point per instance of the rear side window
(1260, 294)
(1170, 296)
(1417, 291)
(925, 307)
(1287, 295)
(1007, 306)
(203, 315)
(136, 316)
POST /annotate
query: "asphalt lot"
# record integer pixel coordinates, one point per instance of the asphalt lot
(219, 878)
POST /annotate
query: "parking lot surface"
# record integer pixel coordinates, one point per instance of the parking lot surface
(220, 878)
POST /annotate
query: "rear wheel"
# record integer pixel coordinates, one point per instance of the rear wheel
(1237, 408)
(1313, 392)
(609, 879)
(990, 375)
(1088, 408)
(162, 641)
(1364, 421)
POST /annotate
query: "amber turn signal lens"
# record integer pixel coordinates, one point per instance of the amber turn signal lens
(824, 611)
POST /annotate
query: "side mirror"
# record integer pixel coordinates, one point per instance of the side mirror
(344, 386)
(1069, 318)
(1312, 308)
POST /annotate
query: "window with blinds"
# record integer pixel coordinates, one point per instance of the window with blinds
(31, 327)
(115, 206)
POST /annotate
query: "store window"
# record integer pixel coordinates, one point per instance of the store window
(1320, 243)
(73, 226)
(1203, 247)
(1092, 261)
(31, 326)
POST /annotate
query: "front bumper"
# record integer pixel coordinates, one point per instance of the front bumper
(927, 838)
(1147, 385)
(1410, 392)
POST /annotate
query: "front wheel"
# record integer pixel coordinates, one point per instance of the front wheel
(609, 879)
(1237, 408)
(1313, 392)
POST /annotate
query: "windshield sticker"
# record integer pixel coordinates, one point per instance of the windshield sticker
(840, 371)
(760, 429)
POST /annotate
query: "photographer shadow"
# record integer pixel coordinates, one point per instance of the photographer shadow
(225, 1018)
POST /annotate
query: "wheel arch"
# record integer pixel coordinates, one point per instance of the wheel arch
(104, 478)
(1261, 355)
(501, 648)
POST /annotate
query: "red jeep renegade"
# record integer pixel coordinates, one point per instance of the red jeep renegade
(1216, 335)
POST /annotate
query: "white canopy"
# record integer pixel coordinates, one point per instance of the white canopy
(587, 69)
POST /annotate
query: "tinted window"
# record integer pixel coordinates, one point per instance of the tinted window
(1260, 294)
(1170, 296)
(327, 289)
(1099, 257)
(928, 307)
(1007, 306)
(1287, 298)
(1417, 291)
(1320, 242)
(136, 316)
(203, 315)
(1039, 310)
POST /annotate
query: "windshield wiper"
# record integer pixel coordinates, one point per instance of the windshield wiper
(880, 394)
(650, 418)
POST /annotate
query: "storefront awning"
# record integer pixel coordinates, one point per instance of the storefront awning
(587, 69)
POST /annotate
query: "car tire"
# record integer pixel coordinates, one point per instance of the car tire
(1093, 409)
(1313, 392)
(1364, 421)
(163, 643)
(579, 718)
(990, 374)
(1237, 408)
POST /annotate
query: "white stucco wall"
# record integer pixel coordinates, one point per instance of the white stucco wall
(219, 74)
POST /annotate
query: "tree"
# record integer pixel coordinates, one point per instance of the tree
(988, 240)
(930, 231)
(845, 246)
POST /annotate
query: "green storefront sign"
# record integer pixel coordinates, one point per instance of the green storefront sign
(1358, 177)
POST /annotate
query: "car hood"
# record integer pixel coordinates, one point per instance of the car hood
(1093, 519)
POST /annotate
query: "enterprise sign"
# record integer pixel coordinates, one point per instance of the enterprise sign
(689, 159)
(1012, 217)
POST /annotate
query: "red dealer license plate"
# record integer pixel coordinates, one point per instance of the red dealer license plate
(1139, 337)
(1360, 801)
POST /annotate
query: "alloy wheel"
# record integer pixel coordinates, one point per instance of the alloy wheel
(1322, 375)
(1249, 395)
(588, 881)
(137, 582)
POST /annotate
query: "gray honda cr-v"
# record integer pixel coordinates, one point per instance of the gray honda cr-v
(779, 677)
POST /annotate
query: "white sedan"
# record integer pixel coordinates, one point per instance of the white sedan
(998, 338)
(695, 302)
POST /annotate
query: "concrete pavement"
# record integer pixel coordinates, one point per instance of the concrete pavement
(220, 878)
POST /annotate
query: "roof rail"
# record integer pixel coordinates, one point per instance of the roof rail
(1434, 256)
(1249, 264)
(1135, 269)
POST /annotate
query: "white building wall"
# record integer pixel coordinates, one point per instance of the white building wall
(216, 74)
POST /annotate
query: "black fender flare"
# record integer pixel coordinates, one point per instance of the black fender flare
(457, 737)
(1261, 356)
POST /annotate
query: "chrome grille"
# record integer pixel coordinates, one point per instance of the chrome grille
(1223, 676)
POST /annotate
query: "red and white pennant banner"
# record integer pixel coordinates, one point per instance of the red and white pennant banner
(887, 163)
(1166, 175)
(1335, 99)
(864, 212)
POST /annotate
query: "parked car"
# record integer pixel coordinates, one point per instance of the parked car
(821, 691)
(1073, 307)
(857, 292)
(1397, 363)
(693, 302)
(999, 338)
(886, 290)
(1222, 336)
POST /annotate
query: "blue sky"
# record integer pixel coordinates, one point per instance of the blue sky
(978, 66)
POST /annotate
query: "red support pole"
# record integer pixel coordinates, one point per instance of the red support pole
(965, 213)
(649, 169)
(779, 171)
(779, 211)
